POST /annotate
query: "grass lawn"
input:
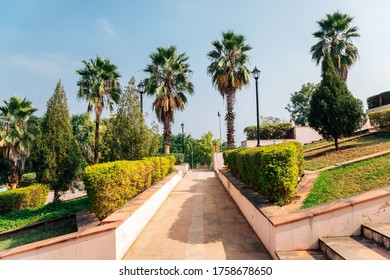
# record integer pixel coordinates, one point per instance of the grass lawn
(24, 217)
(349, 180)
(349, 150)
(37, 236)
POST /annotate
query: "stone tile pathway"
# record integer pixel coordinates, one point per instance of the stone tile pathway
(198, 221)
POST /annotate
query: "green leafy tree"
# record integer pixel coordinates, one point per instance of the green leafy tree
(269, 120)
(205, 149)
(17, 134)
(334, 112)
(127, 136)
(57, 154)
(335, 37)
(229, 73)
(82, 127)
(168, 81)
(299, 106)
(99, 86)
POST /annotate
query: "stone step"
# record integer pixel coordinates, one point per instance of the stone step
(352, 248)
(379, 233)
(301, 255)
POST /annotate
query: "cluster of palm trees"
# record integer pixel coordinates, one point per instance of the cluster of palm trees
(169, 82)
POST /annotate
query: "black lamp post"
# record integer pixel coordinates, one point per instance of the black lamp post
(256, 75)
(141, 90)
(182, 134)
(220, 131)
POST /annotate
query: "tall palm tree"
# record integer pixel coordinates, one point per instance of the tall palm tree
(229, 73)
(335, 36)
(16, 136)
(169, 80)
(99, 86)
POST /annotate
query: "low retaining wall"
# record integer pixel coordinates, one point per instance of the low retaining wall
(108, 241)
(300, 230)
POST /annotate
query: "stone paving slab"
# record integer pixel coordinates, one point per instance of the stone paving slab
(198, 221)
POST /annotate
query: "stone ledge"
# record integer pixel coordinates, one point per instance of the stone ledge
(283, 230)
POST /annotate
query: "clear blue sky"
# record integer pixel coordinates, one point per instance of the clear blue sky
(43, 41)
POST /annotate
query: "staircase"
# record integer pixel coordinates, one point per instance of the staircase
(373, 244)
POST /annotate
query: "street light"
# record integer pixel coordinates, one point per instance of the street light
(182, 133)
(220, 131)
(141, 90)
(256, 75)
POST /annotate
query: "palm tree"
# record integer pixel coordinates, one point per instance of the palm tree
(229, 73)
(82, 127)
(16, 136)
(169, 81)
(99, 86)
(335, 36)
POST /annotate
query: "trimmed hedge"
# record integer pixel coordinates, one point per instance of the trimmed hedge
(269, 131)
(111, 185)
(380, 119)
(272, 170)
(33, 196)
(375, 100)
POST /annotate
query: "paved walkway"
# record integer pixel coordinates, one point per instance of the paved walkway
(198, 221)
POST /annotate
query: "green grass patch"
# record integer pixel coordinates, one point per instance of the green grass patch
(36, 236)
(349, 180)
(24, 217)
(349, 150)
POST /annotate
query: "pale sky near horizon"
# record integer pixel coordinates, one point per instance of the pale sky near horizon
(43, 41)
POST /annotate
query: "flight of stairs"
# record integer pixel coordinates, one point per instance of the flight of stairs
(373, 244)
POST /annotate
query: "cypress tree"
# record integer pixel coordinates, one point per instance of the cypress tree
(334, 112)
(57, 153)
(127, 136)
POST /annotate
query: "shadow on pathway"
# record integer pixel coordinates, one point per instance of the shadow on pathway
(199, 220)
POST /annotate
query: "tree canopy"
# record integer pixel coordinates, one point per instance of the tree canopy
(229, 73)
(335, 37)
(299, 106)
(56, 154)
(169, 82)
(334, 112)
(99, 86)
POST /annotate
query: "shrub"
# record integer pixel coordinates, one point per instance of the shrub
(29, 197)
(28, 179)
(380, 119)
(272, 170)
(375, 101)
(111, 185)
(269, 131)
(179, 158)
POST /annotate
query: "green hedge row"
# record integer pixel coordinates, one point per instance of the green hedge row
(380, 119)
(33, 196)
(271, 170)
(378, 100)
(111, 185)
(269, 131)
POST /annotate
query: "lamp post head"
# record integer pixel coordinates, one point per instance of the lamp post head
(219, 114)
(256, 73)
(182, 126)
(141, 87)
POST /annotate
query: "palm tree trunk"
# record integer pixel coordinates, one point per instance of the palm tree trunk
(229, 118)
(167, 136)
(96, 148)
(14, 176)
